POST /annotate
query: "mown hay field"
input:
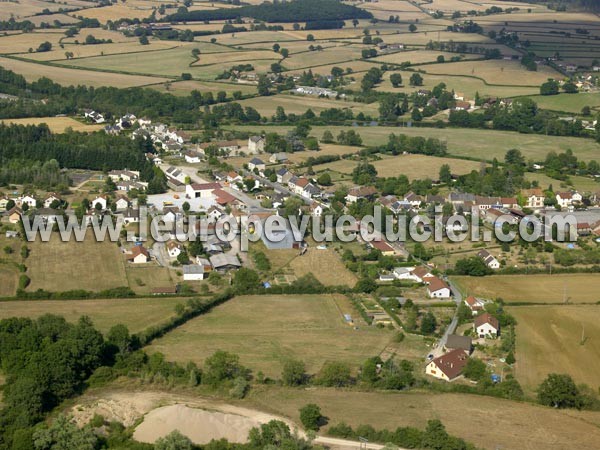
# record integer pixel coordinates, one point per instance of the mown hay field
(56, 124)
(577, 287)
(557, 339)
(67, 76)
(265, 331)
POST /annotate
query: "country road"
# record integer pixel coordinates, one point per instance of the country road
(344, 444)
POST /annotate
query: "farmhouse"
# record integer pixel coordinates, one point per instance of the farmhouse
(193, 272)
(486, 325)
(362, 192)
(385, 248)
(455, 341)
(534, 198)
(438, 288)
(256, 144)
(138, 255)
(201, 190)
(256, 163)
(100, 202)
(122, 202)
(421, 274)
(51, 198)
(474, 304)
(28, 200)
(192, 157)
(15, 214)
(566, 199)
(449, 366)
(488, 259)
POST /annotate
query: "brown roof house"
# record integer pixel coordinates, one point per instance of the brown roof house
(455, 341)
(449, 366)
(486, 325)
(138, 255)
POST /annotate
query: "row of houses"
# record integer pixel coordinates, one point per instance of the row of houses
(298, 185)
(436, 287)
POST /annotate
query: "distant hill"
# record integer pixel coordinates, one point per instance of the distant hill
(291, 11)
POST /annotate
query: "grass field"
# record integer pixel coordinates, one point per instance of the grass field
(582, 184)
(265, 331)
(66, 76)
(413, 166)
(56, 124)
(325, 149)
(137, 314)
(495, 72)
(184, 88)
(115, 12)
(580, 288)
(298, 104)
(481, 144)
(142, 279)
(567, 102)
(325, 265)
(516, 425)
(21, 43)
(62, 266)
(9, 278)
(417, 57)
(549, 340)
(25, 8)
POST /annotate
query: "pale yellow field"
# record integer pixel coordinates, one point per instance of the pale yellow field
(33, 71)
(104, 313)
(298, 104)
(418, 57)
(50, 18)
(233, 58)
(25, 8)
(62, 266)
(116, 11)
(413, 166)
(83, 51)
(495, 72)
(422, 38)
(21, 43)
(549, 340)
(185, 87)
(356, 66)
(57, 124)
(98, 33)
(577, 287)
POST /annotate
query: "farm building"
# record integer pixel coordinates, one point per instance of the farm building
(193, 272)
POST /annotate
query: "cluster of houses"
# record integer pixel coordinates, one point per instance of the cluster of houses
(298, 185)
(318, 91)
(436, 287)
(457, 349)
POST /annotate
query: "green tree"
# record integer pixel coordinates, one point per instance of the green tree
(284, 52)
(63, 434)
(245, 280)
(310, 416)
(324, 179)
(445, 174)
(412, 28)
(144, 40)
(327, 137)
(416, 79)
(428, 323)
(174, 441)
(475, 369)
(335, 374)
(263, 85)
(294, 373)
(559, 391)
(396, 79)
(222, 366)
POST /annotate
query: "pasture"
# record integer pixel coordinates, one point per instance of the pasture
(265, 331)
(418, 57)
(325, 149)
(478, 144)
(22, 42)
(136, 313)
(68, 76)
(495, 72)
(557, 339)
(517, 425)
(578, 287)
(62, 266)
(325, 265)
(184, 88)
(572, 103)
(143, 278)
(298, 104)
(413, 166)
(56, 124)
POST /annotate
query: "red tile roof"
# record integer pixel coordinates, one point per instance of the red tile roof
(452, 363)
(486, 318)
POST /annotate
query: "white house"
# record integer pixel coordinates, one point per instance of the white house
(193, 272)
(486, 325)
(316, 210)
(138, 255)
(256, 163)
(534, 198)
(488, 259)
(566, 199)
(438, 288)
(256, 144)
(192, 157)
(448, 366)
(474, 304)
(100, 200)
(201, 190)
(28, 200)
(51, 198)
(122, 203)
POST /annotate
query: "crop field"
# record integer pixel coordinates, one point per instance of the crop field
(62, 266)
(495, 71)
(104, 313)
(563, 339)
(267, 37)
(577, 288)
(298, 104)
(265, 331)
(56, 124)
(517, 425)
(356, 67)
(331, 55)
(21, 43)
(480, 144)
(9, 278)
(24, 8)
(424, 37)
(115, 12)
(49, 18)
(66, 76)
